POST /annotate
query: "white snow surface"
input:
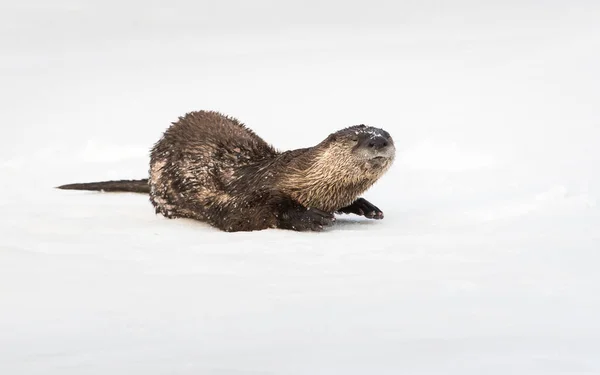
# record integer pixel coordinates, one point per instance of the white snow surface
(487, 259)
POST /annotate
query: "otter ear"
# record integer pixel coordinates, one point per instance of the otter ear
(332, 137)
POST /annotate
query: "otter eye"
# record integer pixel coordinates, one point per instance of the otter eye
(354, 139)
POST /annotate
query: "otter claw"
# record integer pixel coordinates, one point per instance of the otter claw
(320, 218)
(363, 207)
(308, 219)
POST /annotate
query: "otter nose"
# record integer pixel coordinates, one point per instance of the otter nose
(376, 143)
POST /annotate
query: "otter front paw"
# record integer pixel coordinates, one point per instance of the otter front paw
(306, 219)
(317, 219)
(363, 207)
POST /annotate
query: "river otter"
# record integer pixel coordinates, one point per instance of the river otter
(212, 168)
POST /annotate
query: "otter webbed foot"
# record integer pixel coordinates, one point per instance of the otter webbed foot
(363, 207)
(305, 219)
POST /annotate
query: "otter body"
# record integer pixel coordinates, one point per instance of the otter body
(210, 167)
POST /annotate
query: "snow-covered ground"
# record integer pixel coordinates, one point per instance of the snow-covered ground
(487, 260)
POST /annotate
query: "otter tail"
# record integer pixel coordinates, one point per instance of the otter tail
(130, 186)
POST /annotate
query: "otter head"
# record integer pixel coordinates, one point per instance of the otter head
(335, 172)
(368, 150)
